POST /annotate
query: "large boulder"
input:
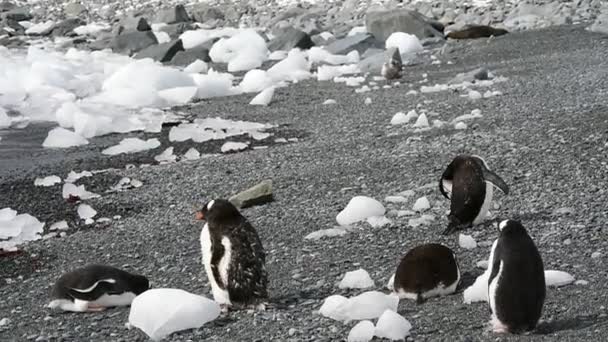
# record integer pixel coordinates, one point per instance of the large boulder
(6, 6)
(175, 30)
(162, 52)
(65, 27)
(290, 38)
(187, 57)
(177, 14)
(74, 9)
(130, 43)
(600, 25)
(132, 23)
(17, 14)
(360, 42)
(381, 24)
(203, 13)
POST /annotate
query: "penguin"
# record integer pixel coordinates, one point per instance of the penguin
(233, 255)
(392, 68)
(426, 271)
(476, 31)
(516, 285)
(468, 183)
(96, 287)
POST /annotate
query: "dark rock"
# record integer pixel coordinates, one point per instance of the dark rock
(175, 30)
(133, 23)
(17, 14)
(132, 42)
(359, 42)
(204, 13)
(319, 40)
(6, 6)
(476, 31)
(102, 42)
(186, 57)
(174, 15)
(161, 52)
(65, 28)
(381, 24)
(291, 38)
(259, 194)
(12, 27)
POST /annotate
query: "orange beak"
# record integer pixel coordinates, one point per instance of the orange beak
(199, 215)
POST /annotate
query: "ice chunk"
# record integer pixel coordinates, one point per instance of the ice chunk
(85, 211)
(162, 37)
(358, 279)
(475, 113)
(330, 102)
(92, 28)
(167, 156)
(331, 232)
(362, 332)
(231, 146)
(71, 190)
(74, 176)
(434, 89)
(356, 30)
(328, 72)
(178, 95)
(482, 264)
(40, 27)
(421, 122)
(399, 119)
(379, 221)
(460, 126)
(18, 229)
(293, 68)
(596, 255)
(277, 55)
(478, 292)
(161, 312)
(61, 225)
(62, 138)
(466, 241)
(47, 181)
(319, 55)
(558, 278)
(368, 305)
(214, 84)
(263, 98)
(358, 209)
(393, 326)
(244, 51)
(474, 95)
(368, 101)
(255, 81)
(197, 67)
(5, 120)
(192, 154)
(423, 220)
(395, 199)
(421, 204)
(202, 130)
(132, 145)
(406, 43)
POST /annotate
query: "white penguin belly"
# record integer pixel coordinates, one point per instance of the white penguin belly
(492, 295)
(439, 291)
(447, 187)
(219, 295)
(67, 305)
(487, 201)
(122, 299)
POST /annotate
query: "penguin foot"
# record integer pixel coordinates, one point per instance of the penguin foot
(498, 327)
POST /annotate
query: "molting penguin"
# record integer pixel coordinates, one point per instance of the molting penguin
(95, 288)
(516, 286)
(233, 255)
(427, 271)
(391, 69)
(467, 182)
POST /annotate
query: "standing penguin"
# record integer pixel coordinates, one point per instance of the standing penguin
(516, 286)
(468, 183)
(95, 288)
(427, 271)
(391, 69)
(233, 255)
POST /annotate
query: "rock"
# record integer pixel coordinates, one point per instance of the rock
(600, 25)
(174, 15)
(259, 194)
(186, 57)
(6, 6)
(65, 27)
(476, 31)
(175, 30)
(161, 52)
(373, 63)
(132, 23)
(291, 38)
(132, 42)
(203, 13)
(381, 24)
(17, 14)
(360, 42)
(12, 27)
(74, 9)
(471, 76)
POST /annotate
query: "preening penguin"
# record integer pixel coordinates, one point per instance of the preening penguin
(95, 288)
(468, 183)
(233, 255)
(427, 271)
(516, 286)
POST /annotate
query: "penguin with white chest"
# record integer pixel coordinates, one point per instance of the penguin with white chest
(233, 255)
(426, 271)
(95, 288)
(468, 183)
(516, 286)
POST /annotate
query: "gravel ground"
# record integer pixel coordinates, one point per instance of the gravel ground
(546, 136)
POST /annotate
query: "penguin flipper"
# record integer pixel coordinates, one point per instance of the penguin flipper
(95, 291)
(495, 180)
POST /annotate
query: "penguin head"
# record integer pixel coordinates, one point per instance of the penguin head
(139, 284)
(511, 227)
(217, 209)
(480, 161)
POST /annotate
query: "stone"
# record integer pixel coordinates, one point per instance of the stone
(161, 52)
(203, 13)
(359, 42)
(132, 42)
(12, 27)
(17, 14)
(291, 38)
(600, 25)
(381, 24)
(133, 23)
(74, 9)
(259, 194)
(65, 27)
(6, 6)
(175, 30)
(177, 14)
(391, 69)
(187, 57)
(471, 76)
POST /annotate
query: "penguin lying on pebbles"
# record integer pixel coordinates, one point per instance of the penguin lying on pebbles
(95, 288)
(427, 271)
(516, 286)
(468, 183)
(233, 255)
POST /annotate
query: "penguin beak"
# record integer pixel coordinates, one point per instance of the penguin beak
(199, 215)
